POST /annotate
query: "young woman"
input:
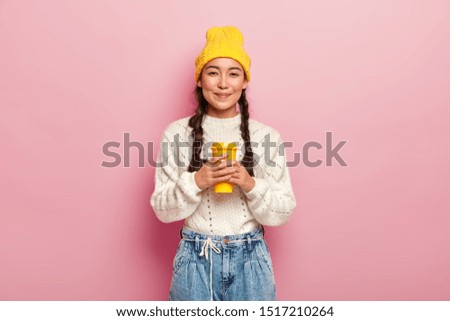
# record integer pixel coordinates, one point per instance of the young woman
(222, 254)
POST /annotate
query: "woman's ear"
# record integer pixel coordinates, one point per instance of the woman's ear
(244, 86)
(199, 82)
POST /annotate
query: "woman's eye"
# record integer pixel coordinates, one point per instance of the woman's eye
(212, 73)
(234, 75)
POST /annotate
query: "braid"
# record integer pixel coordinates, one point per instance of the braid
(197, 131)
(247, 160)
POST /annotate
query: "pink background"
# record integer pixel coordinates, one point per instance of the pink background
(77, 74)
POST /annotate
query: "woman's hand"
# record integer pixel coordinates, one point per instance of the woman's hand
(242, 178)
(214, 171)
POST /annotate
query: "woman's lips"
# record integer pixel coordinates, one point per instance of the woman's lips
(223, 96)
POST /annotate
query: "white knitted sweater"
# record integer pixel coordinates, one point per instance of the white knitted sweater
(177, 196)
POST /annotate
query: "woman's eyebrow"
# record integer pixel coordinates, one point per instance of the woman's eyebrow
(231, 68)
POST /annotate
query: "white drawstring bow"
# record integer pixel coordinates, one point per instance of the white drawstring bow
(204, 252)
(210, 244)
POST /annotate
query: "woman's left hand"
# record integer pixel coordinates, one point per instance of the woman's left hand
(242, 178)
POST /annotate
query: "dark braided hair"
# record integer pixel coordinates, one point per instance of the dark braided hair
(197, 132)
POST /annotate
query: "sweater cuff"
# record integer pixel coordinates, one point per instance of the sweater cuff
(260, 188)
(195, 187)
(189, 187)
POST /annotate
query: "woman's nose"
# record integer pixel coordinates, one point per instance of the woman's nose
(223, 82)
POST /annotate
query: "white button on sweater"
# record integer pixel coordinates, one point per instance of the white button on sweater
(177, 196)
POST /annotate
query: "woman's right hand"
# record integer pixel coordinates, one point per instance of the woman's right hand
(216, 170)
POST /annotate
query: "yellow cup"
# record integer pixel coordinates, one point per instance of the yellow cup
(218, 149)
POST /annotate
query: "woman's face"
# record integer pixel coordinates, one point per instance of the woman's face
(222, 81)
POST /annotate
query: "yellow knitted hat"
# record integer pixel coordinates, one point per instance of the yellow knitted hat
(224, 42)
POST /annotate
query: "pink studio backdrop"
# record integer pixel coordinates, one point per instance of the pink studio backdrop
(75, 75)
